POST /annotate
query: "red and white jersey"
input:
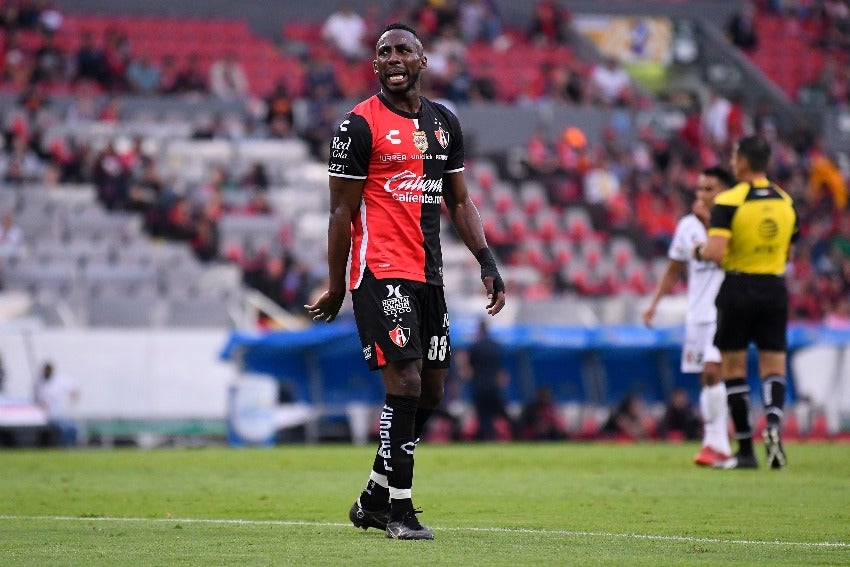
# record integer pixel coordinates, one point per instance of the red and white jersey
(403, 158)
(704, 278)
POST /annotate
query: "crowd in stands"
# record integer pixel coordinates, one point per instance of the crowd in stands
(634, 190)
(810, 39)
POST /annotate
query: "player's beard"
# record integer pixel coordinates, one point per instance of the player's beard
(412, 81)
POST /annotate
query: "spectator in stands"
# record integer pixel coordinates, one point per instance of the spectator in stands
(11, 235)
(347, 31)
(681, 419)
(58, 394)
(840, 245)
(146, 188)
(50, 68)
(628, 421)
(838, 23)
(610, 84)
(190, 79)
(117, 56)
(143, 75)
(540, 419)
(227, 78)
(479, 20)
(564, 83)
(742, 28)
(715, 121)
(601, 185)
(90, 60)
(111, 177)
(279, 113)
(17, 62)
(50, 19)
(180, 224)
(548, 23)
(257, 178)
(21, 164)
(456, 82)
(826, 181)
(205, 241)
(447, 46)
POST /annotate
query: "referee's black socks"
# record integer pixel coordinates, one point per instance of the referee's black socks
(773, 394)
(738, 397)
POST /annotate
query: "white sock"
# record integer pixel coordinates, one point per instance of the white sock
(716, 417)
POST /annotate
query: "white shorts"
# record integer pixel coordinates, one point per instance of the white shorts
(699, 347)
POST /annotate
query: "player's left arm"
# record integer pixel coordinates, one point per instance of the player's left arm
(464, 215)
(719, 233)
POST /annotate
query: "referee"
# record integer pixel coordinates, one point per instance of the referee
(750, 236)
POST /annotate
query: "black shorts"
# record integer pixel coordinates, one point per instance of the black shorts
(401, 320)
(751, 308)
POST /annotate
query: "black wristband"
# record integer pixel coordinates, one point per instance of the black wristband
(489, 269)
(698, 253)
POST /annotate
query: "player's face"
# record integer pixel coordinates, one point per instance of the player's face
(398, 61)
(707, 189)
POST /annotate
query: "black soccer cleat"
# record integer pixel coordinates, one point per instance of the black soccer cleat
(739, 461)
(776, 458)
(408, 527)
(363, 518)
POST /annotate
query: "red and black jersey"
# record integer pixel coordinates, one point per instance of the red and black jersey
(403, 158)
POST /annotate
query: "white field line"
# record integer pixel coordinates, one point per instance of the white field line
(604, 535)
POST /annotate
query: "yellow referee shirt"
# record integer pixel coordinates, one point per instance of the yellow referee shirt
(760, 221)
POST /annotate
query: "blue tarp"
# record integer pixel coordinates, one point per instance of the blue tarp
(324, 363)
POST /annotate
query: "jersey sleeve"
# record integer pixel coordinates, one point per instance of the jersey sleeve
(351, 148)
(722, 213)
(680, 246)
(454, 163)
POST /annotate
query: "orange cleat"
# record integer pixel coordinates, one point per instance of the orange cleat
(708, 456)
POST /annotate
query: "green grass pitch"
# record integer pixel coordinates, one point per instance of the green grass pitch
(549, 504)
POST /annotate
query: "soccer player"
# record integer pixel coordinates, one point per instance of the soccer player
(699, 355)
(395, 159)
(750, 235)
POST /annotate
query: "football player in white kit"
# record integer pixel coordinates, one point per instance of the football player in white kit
(699, 355)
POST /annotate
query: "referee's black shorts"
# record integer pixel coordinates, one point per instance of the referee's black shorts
(752, 309)
(400, 319)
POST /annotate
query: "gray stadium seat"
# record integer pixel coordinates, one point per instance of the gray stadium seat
(113, 311)
(199, 311)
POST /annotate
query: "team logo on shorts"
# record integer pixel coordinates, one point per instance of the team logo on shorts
(420, 140)
(442, 137)
(400, 335)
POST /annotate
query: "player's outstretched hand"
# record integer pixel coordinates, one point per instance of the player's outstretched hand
(497, 298)
(648, 315)
(326, 307)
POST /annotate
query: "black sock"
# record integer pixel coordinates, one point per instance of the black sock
(738, 397)
(375, 496)
(773, 395)
(398, 420)
(422, 415)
